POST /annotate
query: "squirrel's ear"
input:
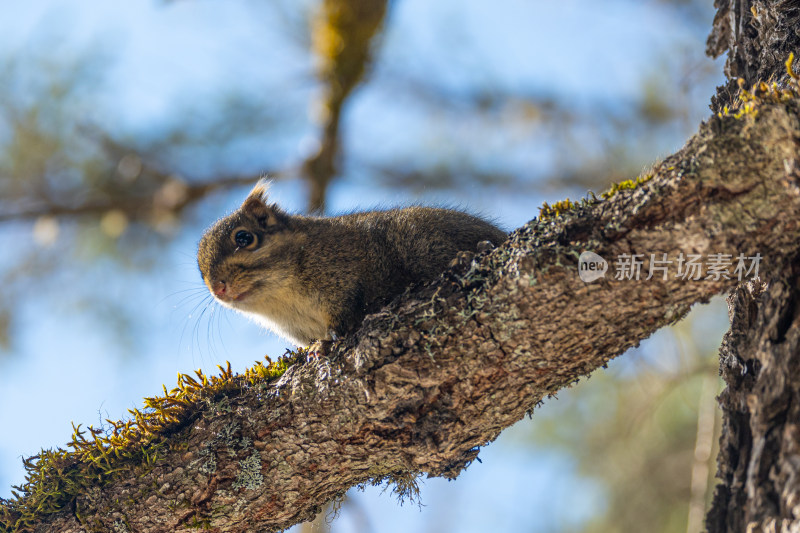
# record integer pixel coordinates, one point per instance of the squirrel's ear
(260, 190)
(256, 206)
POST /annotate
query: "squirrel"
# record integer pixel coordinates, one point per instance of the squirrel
(312, 278)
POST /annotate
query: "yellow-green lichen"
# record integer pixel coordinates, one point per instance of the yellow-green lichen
(748, 100)
(547, 211)
(627, 185)
(97, 455)
(746, 104)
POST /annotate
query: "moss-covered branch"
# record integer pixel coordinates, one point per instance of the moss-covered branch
(439, 373)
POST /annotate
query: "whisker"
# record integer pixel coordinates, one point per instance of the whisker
(219, 331)
(209, 301)
(190, 289)
(187, 318)
(187, 298)
(195, 344)
(209, 356)
(212, 350)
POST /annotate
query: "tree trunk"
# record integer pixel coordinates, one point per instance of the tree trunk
(759, 459)
(441, 371)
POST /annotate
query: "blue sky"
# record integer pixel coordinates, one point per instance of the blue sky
(68, 366)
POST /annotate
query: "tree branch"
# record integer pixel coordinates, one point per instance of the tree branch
(440, 372)
(343, 38)
(173, 195)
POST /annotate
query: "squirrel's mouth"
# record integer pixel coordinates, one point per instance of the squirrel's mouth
(241, 296)
(232, 299)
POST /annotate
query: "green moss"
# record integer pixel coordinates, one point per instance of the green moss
(748, 101)
(98, 455)
(548, 212)
(627, 185)
(562, 206)
(746, 105)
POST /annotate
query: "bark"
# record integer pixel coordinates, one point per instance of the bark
(441, 371)
(760, 443)
(758, 35)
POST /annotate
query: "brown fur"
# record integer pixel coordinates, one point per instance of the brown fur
(307, 278)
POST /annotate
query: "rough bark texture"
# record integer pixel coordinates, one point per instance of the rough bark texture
(443, 370)
(759, 460)
(758, 35)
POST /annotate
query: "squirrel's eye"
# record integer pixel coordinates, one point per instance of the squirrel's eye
(244, 238)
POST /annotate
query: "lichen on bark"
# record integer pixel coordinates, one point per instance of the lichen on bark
(442, 370)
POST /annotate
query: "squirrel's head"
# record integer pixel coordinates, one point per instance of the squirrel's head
(239, 252)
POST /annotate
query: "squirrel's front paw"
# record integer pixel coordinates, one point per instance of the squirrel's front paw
(319, 349)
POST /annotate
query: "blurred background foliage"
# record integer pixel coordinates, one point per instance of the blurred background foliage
(121, 139)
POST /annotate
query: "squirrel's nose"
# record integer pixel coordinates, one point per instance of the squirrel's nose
(219, 288)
